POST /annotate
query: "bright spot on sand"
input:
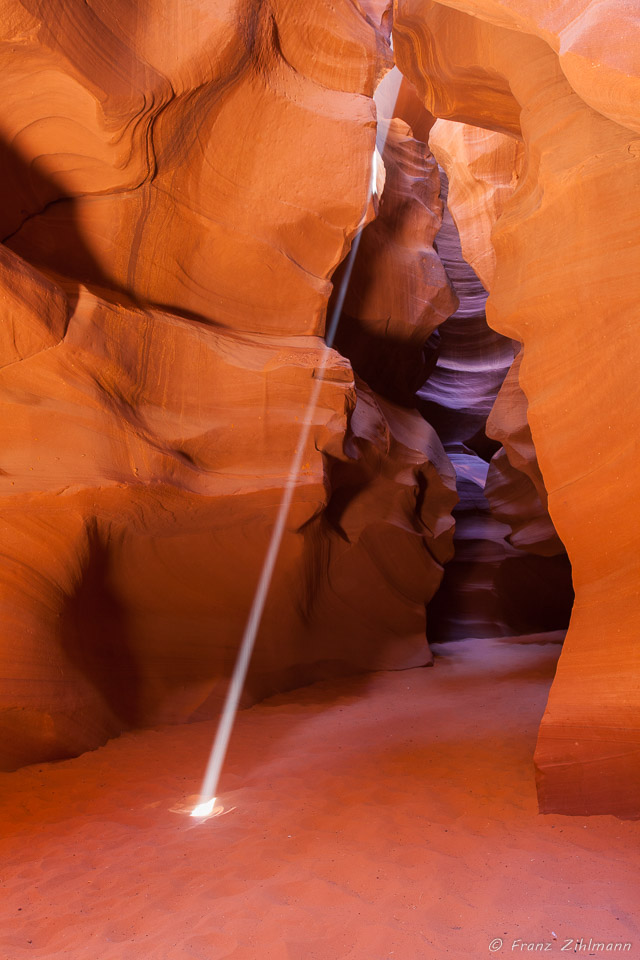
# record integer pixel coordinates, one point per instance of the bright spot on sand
(204, 809)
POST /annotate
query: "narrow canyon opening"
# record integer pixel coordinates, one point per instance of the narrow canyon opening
(509, 574)
(490, 587)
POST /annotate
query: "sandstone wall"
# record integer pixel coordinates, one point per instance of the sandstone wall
(485, 168)
(399, 292)
(566, 285)
(180, 183)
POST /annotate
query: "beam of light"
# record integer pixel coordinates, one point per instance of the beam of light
(220, 745)
(204, 809)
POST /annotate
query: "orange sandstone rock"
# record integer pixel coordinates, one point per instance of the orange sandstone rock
(597, 43)
(399, 292)
(34, 310)
(567, 286)
(133, 536)
(173, 172)
(180, 184)
(514, 487)
(483, 168)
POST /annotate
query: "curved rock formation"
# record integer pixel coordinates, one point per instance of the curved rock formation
(567, 286)
(457, 398)
(174, 214)
(514, 486)
(596, 42)
(183, 161)
(474, 359)
(489, 588)
(486, 167)
(399, 292)
(483, 168)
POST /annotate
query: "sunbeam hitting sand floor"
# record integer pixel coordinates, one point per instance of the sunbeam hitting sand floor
(385, 817)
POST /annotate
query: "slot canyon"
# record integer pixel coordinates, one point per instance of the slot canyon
(351, 283)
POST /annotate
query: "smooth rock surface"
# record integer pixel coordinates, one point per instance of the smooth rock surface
(514, 487)
(399, 292)
(485, 168)
(567, 285)
(174, 214)
(489, 588)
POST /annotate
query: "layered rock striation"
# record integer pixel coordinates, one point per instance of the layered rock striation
(457, 397)
(566, 286)
(399, 292)
(485, 167)
(174, 212)
(490, 588)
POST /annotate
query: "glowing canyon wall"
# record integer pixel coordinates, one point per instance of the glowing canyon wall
(180, 182)
(499, 583)
(531, 588)
(564, 78)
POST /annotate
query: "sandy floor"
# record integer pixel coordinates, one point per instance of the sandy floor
(386, 818)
